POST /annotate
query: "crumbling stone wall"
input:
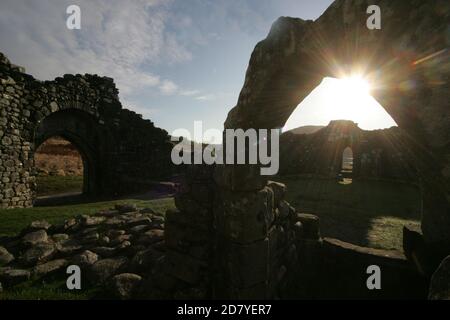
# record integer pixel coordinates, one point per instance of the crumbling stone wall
(223, 244)
(285, 67)
(377, 154)
(409, 49)
(119, 147)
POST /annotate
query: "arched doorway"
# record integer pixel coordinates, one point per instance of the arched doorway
(346, 171)
(60, 168)
(322, 167)
(78, 132)
(303, 53)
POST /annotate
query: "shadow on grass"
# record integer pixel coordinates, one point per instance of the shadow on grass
(366, 212)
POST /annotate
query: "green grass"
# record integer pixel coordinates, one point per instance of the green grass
(366, 212)
(49, 185)
(13, 221)
(51, 289)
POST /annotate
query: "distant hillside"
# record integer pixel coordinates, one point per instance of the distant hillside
(57, 156)
(306, 129)
(185, 144)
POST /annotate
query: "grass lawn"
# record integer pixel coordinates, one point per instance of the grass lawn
(14, 220)
(365, 212)
(49, 185)
(53, 288)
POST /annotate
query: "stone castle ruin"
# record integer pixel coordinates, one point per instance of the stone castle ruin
(120, 150)
(233, 235)
(260, 246)
(379, 154)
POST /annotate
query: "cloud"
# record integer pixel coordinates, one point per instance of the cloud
(113, 41)
(207, 97)
(189, 93)
(168, 87)
(146, 112)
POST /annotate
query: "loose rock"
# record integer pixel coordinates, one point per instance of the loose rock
(49, 267)
(106, 268)
(35, 237)
(5, 256)
(123, 285)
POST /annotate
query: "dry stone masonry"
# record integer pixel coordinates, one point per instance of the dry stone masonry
(378, 154)
(297, 54)
(233, 235)
(120, 150)
(117, 250)
(256, 230)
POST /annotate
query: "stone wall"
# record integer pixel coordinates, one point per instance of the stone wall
(377, 154)
(119, 147)
(253, 245)
(406, 61)
(222, 244)
(284, 68)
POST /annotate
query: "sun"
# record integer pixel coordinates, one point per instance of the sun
(345, 98)
(355, 85)
(352, 95)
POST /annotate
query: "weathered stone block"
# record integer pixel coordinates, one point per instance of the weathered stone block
(247, 265)
(244, 217)
(279, 191)
(310, 223)
(239, 177)
(184, 267)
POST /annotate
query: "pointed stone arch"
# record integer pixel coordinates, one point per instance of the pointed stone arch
(406, 62)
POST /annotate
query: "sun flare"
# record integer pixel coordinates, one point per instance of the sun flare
(347, 98)
(355, 85)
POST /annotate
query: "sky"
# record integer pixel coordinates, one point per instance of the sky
(173, 61)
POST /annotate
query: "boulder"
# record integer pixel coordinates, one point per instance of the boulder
(139, 229)
(92, 220)
(106, 268)
(39, 253)
(60, 237)
(35, 237)
(144, 261)
(5, 256)
(124, 285)
(119, 239)
(49, 267)
(70, 224)
(85, 258)
(39, 225)
(10, 277)
(104, 241)
(151, 236)
(138, 221)
(68, 247)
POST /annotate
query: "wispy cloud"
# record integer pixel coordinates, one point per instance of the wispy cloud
(207, 97)
(189, 93)
(168, 87)
(123, 44)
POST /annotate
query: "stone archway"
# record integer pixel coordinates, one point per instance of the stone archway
(124, 150)
(80, 128)
(259, 239)
(402, 60)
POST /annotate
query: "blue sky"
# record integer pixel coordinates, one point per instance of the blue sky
(173, 61)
